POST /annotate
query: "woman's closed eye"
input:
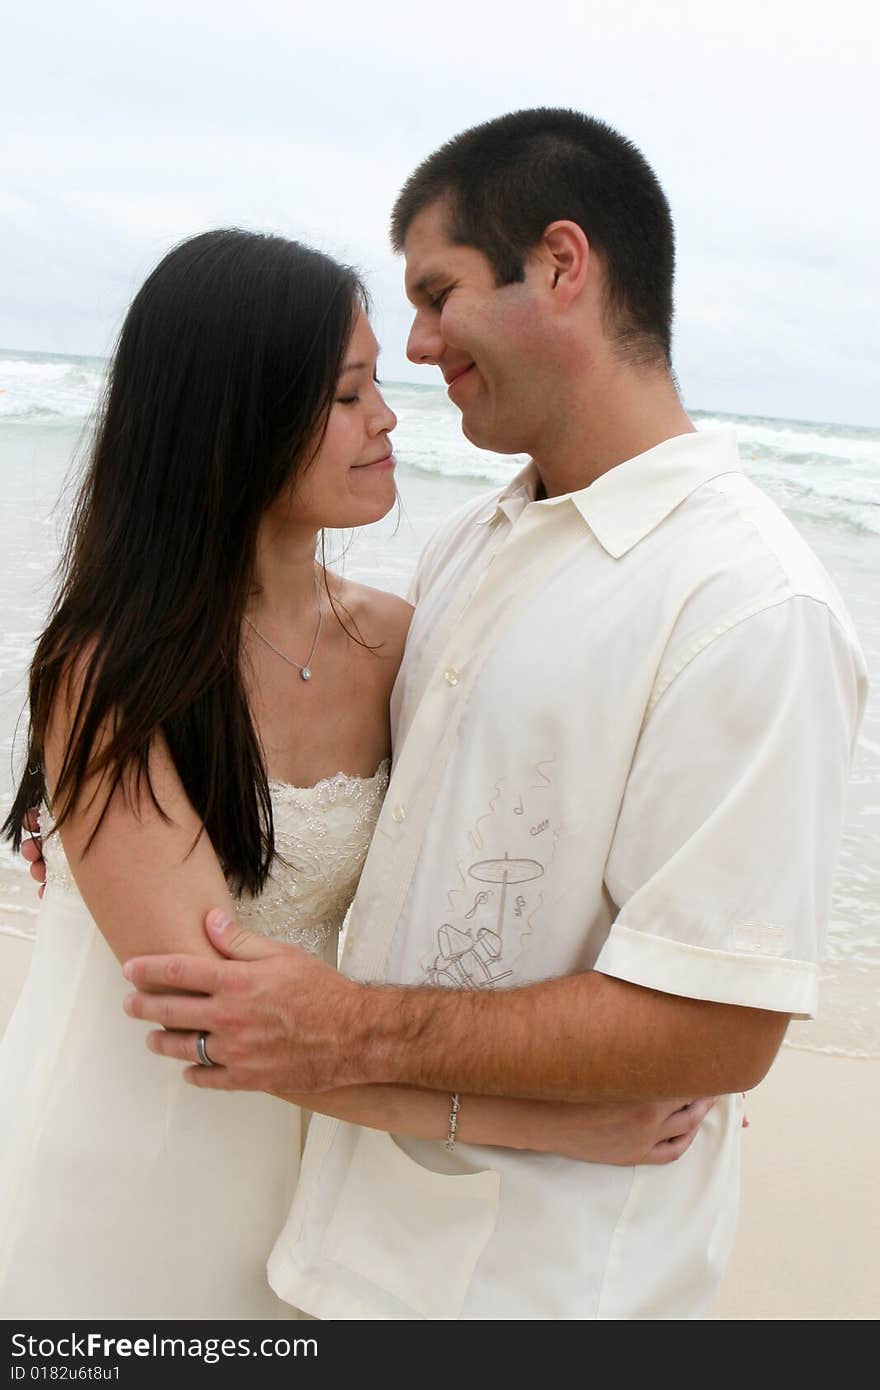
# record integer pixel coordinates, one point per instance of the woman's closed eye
(353, 399)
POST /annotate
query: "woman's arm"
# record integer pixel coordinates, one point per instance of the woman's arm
(622, 1133)
(148, 877)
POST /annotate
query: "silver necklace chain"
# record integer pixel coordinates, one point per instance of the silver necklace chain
(304, 671)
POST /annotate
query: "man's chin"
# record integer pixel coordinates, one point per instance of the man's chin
(477, 432)
(483, 437)
(468, 432)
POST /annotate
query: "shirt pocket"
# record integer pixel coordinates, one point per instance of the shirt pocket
(412, 1232)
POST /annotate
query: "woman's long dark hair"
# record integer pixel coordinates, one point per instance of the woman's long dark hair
(221, 383)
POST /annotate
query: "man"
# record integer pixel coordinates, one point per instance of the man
(622, 731)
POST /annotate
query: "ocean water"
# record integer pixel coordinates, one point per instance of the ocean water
(825, 477)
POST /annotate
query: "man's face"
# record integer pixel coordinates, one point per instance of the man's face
(487, 341)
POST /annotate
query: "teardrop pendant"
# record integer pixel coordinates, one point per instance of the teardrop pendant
(305, 673)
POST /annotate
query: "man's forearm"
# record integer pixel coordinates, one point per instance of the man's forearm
(283, 1021)
(579, 1038)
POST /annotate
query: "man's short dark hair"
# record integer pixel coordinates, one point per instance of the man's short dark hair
(504, 182)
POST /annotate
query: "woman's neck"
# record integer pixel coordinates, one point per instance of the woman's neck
(284, 573)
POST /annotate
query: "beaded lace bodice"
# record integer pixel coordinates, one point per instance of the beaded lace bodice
(322, 835)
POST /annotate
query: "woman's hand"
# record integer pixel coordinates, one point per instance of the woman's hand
(32, 849)
(626, 1132)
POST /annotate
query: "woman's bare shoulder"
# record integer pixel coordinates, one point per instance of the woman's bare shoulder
(381, 617)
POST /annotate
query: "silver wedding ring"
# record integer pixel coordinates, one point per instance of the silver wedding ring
(202, 1051)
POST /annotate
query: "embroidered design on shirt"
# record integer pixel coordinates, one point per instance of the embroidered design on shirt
(486, 931)
(545, 780)
(465, 961)
(475, 836)
(505, 871)
(456, 892)
(478, 902)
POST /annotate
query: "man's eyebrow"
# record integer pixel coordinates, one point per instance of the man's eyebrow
(427, 280)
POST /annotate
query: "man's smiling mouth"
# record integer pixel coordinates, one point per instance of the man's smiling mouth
(454, 376)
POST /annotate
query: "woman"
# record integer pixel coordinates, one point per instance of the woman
(209, 725)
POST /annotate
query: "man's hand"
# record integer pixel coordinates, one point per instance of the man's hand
(277, 1019)
(32, 849)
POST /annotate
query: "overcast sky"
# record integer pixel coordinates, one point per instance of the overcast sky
(128, 126)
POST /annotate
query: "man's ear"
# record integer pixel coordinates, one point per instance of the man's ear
(565, 251)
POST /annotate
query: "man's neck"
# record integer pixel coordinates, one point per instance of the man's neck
(614, 417)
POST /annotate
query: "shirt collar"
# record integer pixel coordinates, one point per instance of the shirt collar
(628, 502)
(518, 493)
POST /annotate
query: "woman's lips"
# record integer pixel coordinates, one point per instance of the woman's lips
(380, 465)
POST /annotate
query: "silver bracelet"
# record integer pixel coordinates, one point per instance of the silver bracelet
(453, 1121)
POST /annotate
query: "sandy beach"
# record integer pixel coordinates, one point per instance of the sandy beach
(808, 1244)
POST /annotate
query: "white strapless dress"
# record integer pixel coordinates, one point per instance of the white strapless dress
(124, 1192)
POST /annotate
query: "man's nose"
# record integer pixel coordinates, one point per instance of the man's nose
(425, 342)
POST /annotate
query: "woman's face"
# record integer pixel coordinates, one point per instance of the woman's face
(351, 479)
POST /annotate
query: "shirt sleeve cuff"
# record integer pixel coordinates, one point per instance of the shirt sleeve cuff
(727, 977)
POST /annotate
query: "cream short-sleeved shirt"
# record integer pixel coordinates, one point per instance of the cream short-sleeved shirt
(622, 735)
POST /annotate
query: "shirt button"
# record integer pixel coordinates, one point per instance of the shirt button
(451, 676)
(398, 814)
